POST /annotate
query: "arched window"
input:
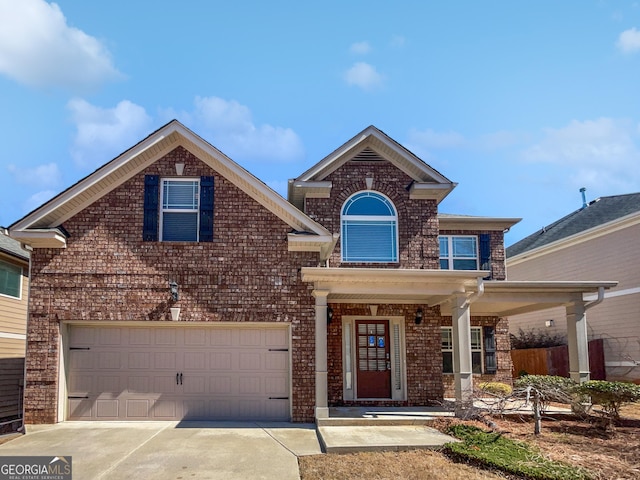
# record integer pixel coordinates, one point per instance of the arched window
(369, 228)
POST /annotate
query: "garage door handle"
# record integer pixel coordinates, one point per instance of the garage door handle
(278, 398)
(76, 397)
(181, 379)
(177, 379)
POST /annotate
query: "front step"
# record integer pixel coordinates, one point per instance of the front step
(373, 422)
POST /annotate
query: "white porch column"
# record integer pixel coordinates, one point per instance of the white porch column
(462, 368)
(322, 395)
(578, 342)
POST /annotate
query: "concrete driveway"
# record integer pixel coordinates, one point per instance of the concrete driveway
(172, 450)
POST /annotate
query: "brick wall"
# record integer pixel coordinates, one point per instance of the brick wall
(417, 219)
(108, 273)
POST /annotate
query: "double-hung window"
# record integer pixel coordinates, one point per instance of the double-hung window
(10, 279)
(458, 252)
(369, 229)
(483, 351)
(178, 209)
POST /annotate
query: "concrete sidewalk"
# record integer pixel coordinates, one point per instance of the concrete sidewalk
(360, 429)
(161, 450)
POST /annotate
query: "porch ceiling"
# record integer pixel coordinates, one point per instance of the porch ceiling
(439, 287)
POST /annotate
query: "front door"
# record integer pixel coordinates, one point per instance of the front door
(373, 360)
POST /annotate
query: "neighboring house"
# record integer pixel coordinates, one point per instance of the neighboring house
(14, 289)
(600, 240)
(173, 284)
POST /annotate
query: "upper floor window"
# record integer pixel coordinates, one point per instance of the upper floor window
(369, 229)
(458, 252)
(178, 209)
(10, 279)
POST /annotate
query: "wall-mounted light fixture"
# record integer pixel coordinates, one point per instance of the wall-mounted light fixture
(549, 323)
(173, 288)
(419, 314)
(329, 315)
(179, 169)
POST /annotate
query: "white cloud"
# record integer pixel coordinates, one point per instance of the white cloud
(39, 49)
(38, 199)
(229, 126)
(363, 75)
(360, 48)
(103, 133)
(603, 151)
(431, 139)
(41, 176)
(629, 41)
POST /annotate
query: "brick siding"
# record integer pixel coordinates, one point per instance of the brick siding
(108, 273)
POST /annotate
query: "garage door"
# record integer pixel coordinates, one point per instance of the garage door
(175, 373)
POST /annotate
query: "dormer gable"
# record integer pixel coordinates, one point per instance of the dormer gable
(370, 146)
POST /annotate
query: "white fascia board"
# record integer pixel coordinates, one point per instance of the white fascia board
(94, 178)
(314, 189)
(453, 222)
(40, 238)
(580, 237)
(430, 191)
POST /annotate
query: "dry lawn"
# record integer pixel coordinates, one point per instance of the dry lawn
(409, 465)
(608, 453)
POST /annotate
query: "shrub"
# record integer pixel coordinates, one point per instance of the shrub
(496, 388)
(610, 395)
(536, 338)
(519, 458)
(548, 388)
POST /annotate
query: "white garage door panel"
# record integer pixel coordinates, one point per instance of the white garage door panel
(173, 373)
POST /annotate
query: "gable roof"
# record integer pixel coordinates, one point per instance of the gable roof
(595, 215)
(43, 226)
(370, 145)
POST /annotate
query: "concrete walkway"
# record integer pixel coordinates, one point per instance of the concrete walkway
(360, 429)
(164, 450)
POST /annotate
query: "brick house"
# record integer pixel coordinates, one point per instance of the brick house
(173, 284)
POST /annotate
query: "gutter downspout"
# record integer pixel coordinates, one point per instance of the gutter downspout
(597, 300)
(475, 296)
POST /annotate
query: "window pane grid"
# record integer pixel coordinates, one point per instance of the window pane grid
(180, 210)
(458, 252)
(10, 279)
(369, 229)
(447, 349)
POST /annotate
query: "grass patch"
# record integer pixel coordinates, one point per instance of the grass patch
(497, 452)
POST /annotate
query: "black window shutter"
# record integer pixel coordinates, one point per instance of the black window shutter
(490, 361)
(206, 209)
(151, 196)
(485, 252)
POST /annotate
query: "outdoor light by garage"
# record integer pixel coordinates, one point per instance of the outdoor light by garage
(419, 316)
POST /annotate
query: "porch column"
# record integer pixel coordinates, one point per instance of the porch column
(322, 395)
(578, 342)
(462, 368)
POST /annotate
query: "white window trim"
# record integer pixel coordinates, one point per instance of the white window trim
(19, 297)
(348, 325)
(480, 350)
(450, 257)
(371, 218)
(176, 210)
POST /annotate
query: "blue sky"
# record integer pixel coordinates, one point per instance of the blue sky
(521, 103)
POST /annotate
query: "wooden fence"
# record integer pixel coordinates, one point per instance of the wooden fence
(555, 361)
(11, 382)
